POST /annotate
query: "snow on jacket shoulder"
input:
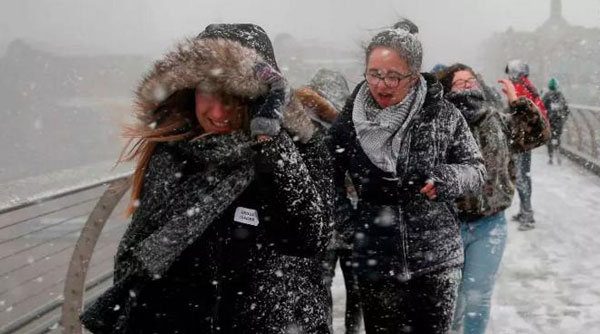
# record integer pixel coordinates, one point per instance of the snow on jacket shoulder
(440, 147)
(235, 277)
(500, 134)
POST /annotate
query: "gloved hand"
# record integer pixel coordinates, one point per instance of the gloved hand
(266, 116)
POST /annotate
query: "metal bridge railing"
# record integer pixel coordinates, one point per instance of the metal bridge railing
(580, 138)
(46, 247)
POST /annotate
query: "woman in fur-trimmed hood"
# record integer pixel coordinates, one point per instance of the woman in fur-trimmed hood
(228, 210)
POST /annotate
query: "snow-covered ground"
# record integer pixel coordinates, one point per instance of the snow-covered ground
(549, 281)
(550, 277)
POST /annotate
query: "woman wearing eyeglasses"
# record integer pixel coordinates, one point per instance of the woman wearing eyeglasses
(409, 154)
(482, 217)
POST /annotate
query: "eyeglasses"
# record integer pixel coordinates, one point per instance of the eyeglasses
(462, 83)
(391, 81)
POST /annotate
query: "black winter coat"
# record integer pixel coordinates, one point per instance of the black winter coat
(237, 277)
(234, 278)
(426, 236)
(557, 109)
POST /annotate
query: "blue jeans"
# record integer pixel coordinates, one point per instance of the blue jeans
(483, 242)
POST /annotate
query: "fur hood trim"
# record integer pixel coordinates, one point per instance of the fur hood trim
(208, 64)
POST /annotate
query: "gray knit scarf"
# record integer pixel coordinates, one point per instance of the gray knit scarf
(380, 132)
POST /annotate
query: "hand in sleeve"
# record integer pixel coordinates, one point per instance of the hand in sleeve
(266, 114)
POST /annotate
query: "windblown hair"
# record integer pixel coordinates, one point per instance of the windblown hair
(402, 38)
(174, 120)
(446, 76)
(165, 97)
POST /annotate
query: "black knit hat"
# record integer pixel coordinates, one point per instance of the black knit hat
(247, 34)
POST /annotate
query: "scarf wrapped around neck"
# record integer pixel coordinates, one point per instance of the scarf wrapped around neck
(228, 169)
(380, 132)
(471, 104)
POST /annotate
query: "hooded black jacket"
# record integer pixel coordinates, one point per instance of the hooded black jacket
(235, 278)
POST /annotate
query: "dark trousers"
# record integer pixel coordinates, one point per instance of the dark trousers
(423, 304)
(554, 143)
(353, 315)
(523, 167)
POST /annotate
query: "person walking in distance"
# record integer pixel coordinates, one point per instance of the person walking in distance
(518, 72)
(558, 111)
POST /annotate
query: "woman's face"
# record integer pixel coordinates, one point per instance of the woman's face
(217, 114)
(464, 80)
(388, 77)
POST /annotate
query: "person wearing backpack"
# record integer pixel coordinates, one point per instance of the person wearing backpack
(558, 111)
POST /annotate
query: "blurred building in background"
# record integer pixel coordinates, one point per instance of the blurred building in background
(557, 49)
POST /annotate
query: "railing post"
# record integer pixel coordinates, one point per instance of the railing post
(579, 131)
(583, 120)
(78, 267)
(592, 129)
(570, 131)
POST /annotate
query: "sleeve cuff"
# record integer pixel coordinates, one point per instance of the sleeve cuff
(265, 126)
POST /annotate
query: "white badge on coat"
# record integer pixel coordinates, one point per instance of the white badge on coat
(246, 216)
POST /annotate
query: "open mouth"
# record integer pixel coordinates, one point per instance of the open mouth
(220, 125)
(384, 98)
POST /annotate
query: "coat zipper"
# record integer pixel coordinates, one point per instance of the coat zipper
(218, 286)
(403, 227)
(403, 241)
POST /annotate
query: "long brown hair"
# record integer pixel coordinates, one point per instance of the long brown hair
(173, 120)
(446, 76)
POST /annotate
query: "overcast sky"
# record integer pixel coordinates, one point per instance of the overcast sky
(450, 29)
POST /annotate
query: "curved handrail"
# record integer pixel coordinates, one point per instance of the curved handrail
(30, 198)
(592, 134)
(585, 122)
(44, 197)
(82, 254)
